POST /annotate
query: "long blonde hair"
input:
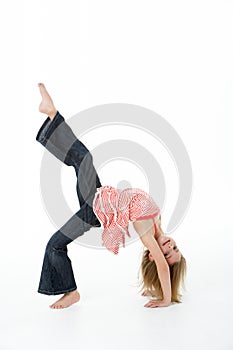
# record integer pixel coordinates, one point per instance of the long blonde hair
(150, 280)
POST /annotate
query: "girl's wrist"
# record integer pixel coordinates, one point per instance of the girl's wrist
(167, 300)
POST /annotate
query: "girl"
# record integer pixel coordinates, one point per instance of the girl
(163, 266)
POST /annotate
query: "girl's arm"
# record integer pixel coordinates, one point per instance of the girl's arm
(162, 266)
(147, 238)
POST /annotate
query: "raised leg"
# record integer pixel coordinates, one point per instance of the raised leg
(58, 138)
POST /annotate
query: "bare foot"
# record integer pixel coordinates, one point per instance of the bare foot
(46, 106)
(66, 300)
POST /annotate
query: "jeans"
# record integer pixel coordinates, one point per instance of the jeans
(57, 137)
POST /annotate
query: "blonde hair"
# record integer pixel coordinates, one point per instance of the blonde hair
(150, 280)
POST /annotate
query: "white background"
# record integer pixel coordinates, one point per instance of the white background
(173, 57)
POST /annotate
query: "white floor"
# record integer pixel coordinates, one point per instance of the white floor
(110, 313)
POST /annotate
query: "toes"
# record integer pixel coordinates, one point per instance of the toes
(43, 90)
(58, 305)
(41, 85)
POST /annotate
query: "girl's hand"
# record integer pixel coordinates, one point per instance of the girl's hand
(146, 293)
(157, 303)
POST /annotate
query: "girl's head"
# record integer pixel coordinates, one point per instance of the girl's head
(169, 249)
(177, 265)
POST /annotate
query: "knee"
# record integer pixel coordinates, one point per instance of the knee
(50, 244)
(55, 243)
(79, 152)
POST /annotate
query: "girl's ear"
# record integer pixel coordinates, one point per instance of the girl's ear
(150, 257)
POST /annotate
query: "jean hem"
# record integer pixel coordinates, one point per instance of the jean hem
(43, 291)
(47, 128)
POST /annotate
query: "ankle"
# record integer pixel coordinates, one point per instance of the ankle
(52, 114)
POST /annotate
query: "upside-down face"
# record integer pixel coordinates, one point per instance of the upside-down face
(169, 249)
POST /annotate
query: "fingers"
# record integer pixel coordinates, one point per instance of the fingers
(156, 304)
(151, 304)
(145, 293)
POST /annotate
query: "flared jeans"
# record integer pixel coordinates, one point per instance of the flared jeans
(57, 137)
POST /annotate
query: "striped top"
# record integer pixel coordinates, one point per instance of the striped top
(115, 208)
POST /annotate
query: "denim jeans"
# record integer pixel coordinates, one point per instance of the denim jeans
(58, 138)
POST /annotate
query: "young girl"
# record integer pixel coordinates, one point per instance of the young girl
(163, 266)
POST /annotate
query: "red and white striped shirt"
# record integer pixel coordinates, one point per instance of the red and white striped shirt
(115, 208)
